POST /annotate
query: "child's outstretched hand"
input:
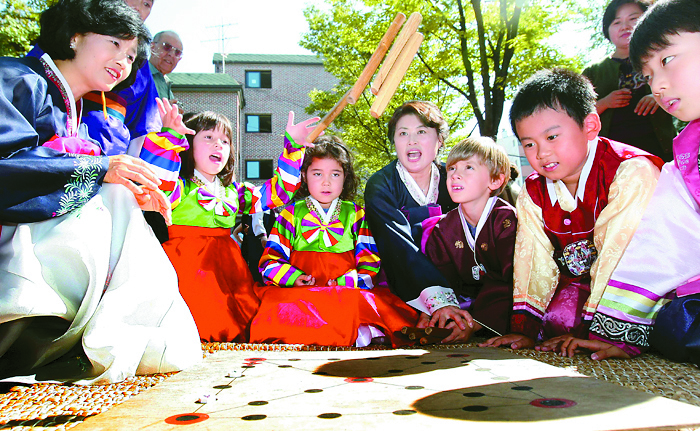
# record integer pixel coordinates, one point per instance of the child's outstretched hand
(514, 341)
(305, 280)
(171, 117)
(560, 343)
(602, 350)
(300, 131)
(459, 321)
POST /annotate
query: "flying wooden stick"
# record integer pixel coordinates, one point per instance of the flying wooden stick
(406, 32)
(372, 65)
(398, 70)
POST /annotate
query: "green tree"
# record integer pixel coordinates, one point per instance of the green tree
(472, 59)
(19, 25)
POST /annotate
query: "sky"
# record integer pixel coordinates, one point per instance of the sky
(259, 26)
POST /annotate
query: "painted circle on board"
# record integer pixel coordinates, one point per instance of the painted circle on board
(359, 380)
(404, 412)
(254, 417)
(329, 415)
(457, 355)
(186, 419)
(256, 359)
(522, 388)
(475, 408)
(474, 394)
(553, 403)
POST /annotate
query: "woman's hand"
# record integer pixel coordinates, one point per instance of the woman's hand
(300, 131)
(305, 280)
(155, 200)
(171, 117)
(514, 341)
(646, 106)
(616, 99)
(133, 173)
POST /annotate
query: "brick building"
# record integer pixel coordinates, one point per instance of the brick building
(256, 92)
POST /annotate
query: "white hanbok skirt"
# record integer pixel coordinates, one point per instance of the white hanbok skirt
(96, 276)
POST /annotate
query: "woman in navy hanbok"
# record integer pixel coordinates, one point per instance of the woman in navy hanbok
(83, 282)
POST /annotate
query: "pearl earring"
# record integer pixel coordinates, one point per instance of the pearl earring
(72, 44)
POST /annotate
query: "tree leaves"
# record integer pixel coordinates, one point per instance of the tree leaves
(474, 55)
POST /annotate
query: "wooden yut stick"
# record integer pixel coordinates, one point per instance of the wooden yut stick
(376, 59)
(411, 27)
(328, 118)
(391, 83)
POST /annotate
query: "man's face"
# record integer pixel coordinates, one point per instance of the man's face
(166, 53)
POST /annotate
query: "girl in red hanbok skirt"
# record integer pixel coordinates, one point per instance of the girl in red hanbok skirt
(320, 262)
(213, 277)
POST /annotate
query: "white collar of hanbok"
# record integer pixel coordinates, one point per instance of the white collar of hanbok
(557, 189)
(471, 239)
(323, 215)
(57, 78)
(414, 189)
(214, 187)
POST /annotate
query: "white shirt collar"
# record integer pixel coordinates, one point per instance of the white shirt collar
(482, 220)
(564, 193)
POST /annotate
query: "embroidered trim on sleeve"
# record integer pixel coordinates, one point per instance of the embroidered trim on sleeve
(617, 330)
(79, 189)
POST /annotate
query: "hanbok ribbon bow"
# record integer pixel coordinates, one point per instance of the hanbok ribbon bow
(221, 206)
(312, 227)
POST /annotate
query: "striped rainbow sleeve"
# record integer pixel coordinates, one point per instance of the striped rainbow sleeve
(162, 152)
(274, 263)
(279, 189)
(366, 255)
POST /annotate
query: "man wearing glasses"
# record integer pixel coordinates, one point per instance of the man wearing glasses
(166, 52)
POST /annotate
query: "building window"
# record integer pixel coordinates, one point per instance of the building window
(258, 169)
(258, 79)
(258, 123)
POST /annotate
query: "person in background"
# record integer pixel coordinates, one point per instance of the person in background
(628, 112)
(166, 52)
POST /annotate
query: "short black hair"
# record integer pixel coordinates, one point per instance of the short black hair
(611, 12)
(428, 113)
(559, 89)
(65, 19)
(663, 19)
